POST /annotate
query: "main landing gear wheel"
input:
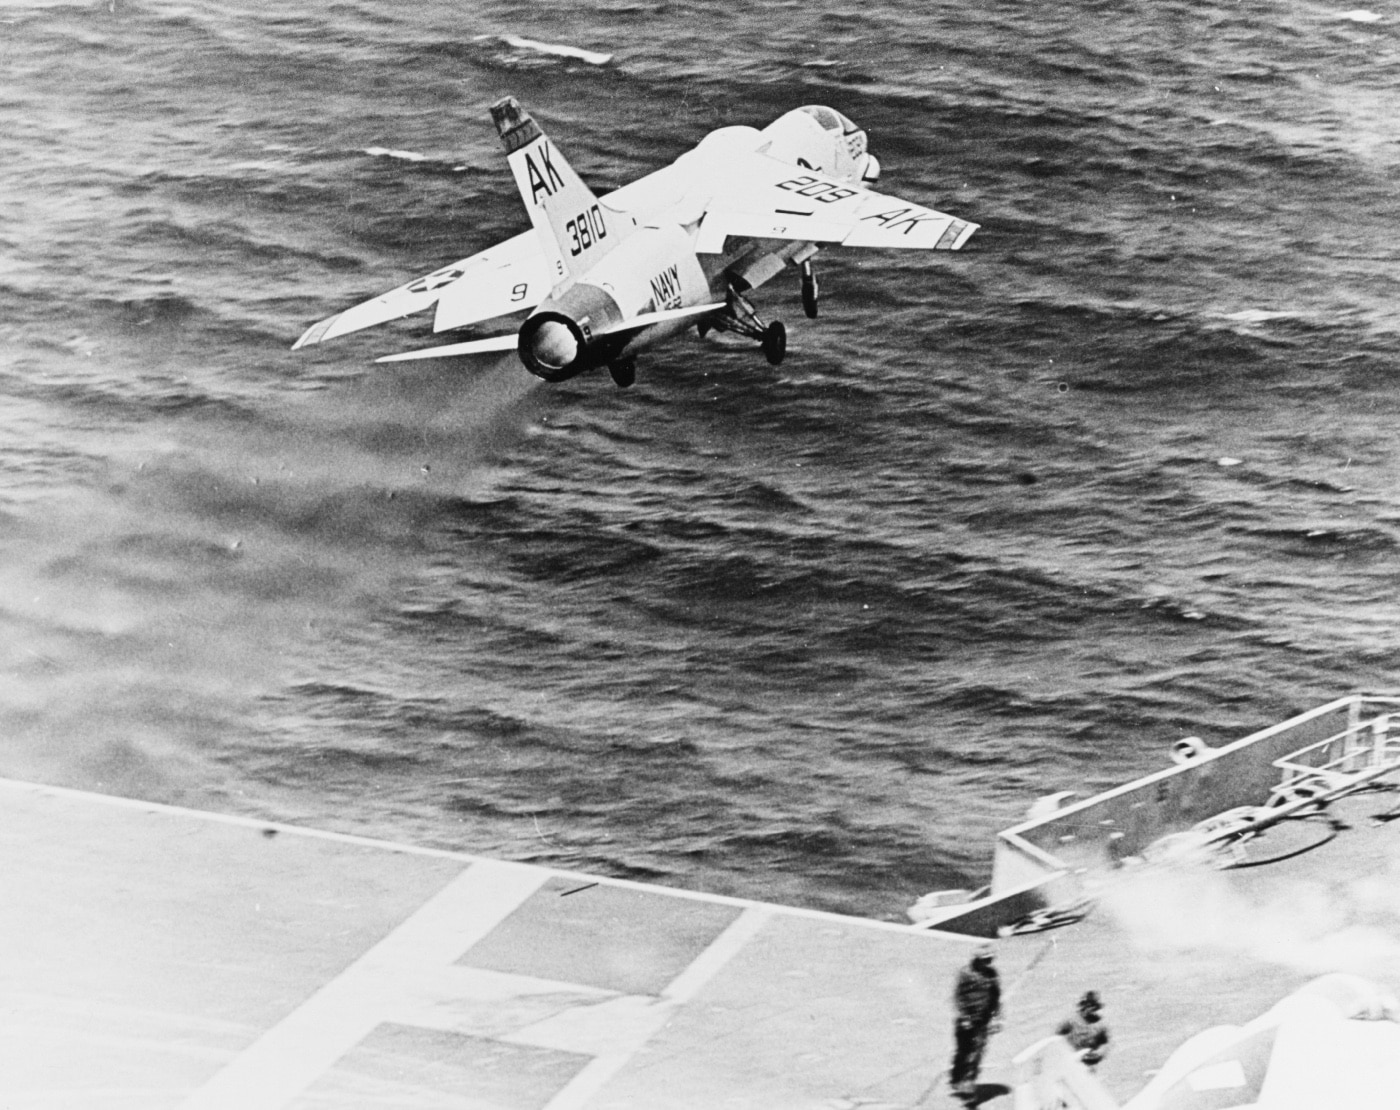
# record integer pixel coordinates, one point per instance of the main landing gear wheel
(774, 342)
(809, 291)
(624, 372)
(741, 319)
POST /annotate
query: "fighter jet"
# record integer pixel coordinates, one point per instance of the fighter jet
(603, 278)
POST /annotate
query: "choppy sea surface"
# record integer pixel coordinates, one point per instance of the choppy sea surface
(1005, 522)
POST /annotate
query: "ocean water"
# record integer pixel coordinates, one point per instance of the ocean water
(1005, 522)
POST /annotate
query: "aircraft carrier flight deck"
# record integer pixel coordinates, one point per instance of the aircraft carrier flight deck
(161, 957)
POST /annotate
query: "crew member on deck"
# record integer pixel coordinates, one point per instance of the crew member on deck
(977, 999)
(1086, 1032)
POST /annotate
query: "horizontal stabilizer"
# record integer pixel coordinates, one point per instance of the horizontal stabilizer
(647, 319)
(494, 345)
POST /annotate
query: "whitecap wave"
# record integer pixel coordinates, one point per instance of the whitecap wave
(592, 57)
(405, 155)
(1256, 316)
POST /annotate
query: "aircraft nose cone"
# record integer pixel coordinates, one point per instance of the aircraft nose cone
(554, 345)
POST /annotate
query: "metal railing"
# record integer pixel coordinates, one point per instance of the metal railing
(1258, 773)
(1361, 746)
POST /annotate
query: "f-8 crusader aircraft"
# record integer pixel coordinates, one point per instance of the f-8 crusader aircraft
(603, 278)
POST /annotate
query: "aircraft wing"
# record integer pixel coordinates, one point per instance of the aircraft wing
(768, 199)
(510, 276)
(514, 276)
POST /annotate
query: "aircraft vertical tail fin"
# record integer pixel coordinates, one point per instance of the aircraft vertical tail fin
(575, 229)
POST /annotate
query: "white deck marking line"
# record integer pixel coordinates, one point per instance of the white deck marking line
(720, 951)
(305, 1044)
(594, 1075)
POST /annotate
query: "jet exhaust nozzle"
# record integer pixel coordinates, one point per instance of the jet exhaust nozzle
(551, 345)
(568, 335)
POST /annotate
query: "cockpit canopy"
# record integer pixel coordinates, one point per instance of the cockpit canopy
(829, 118)
(822, 138)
